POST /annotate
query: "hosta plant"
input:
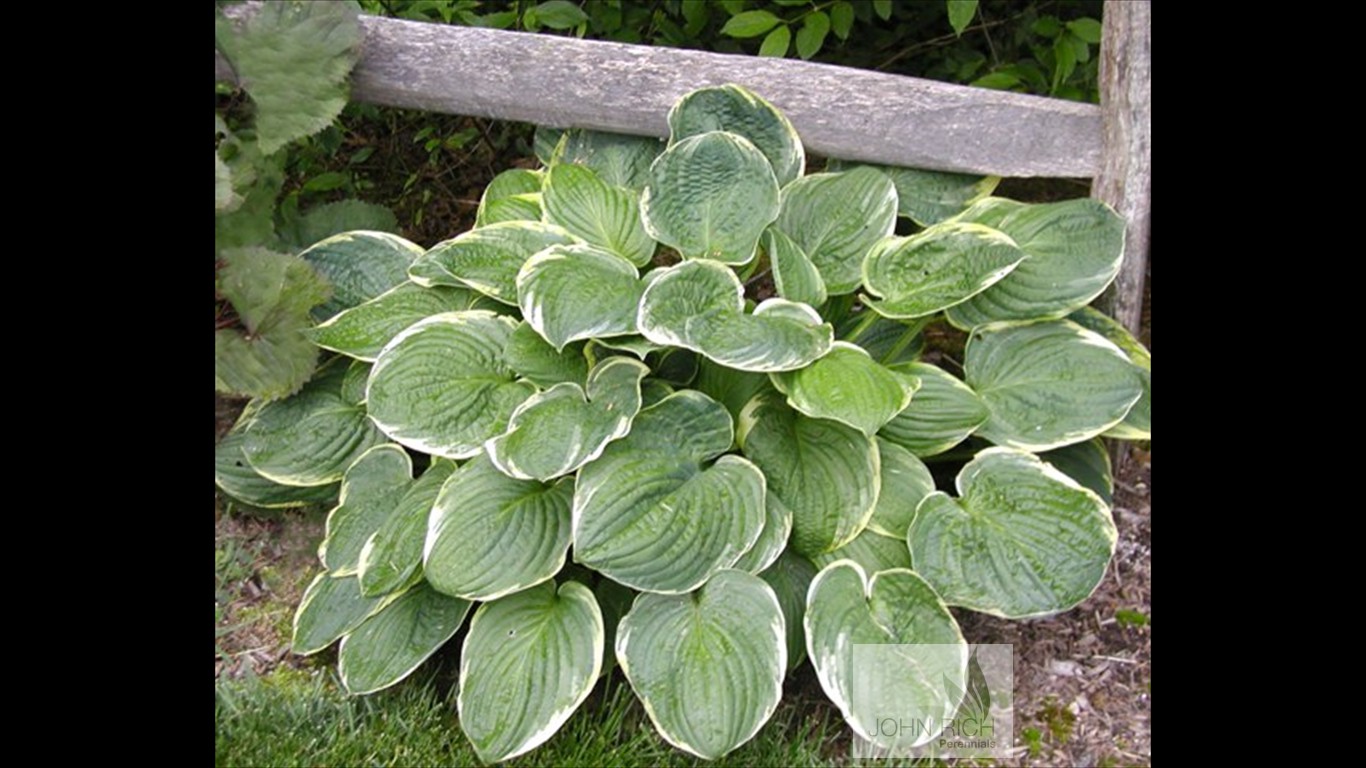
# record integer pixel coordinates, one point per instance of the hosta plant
(669, 407)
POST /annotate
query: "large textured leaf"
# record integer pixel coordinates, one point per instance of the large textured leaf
(794, 276)
(651, 515)
(935, 269)
(389, 645)
(1074, 248)
(1088, 463)
(490, 535)
(442, 386)
(737, 110)
(487, 259)
(532, 357)
(1022, 539)
(707, 666)
(293, 58)
(873, 552)
(790, 577)
(370, 490)
(825, 472)
(323, 221)
(597, 212)
(513, 195)
(312, 437)
(393, 554)
(1048, 384)
(849, 387)
(618, 159)
(835, 218)
(845, 607)
(330, 608)
(363, 330)
(235, 476)
(258, 180)
(733, 389)
(559, 430)
(528, 662)
(710, 196)
(772, 541)
(1137, 424)
(905, 481)
(572, 292)
(942, 414)
(699, 305)
(929, 197)
(360, 265)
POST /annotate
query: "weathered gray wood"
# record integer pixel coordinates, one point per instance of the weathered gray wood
(839, 112)
(1125, 177)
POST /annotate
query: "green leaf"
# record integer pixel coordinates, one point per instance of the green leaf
(649, 514)
(750, 24)
(225, 199)
(960, 14)
(730, 387)
(258, 181)
(776, 42)
(1074, 248)
(942, 414)
(699, 305)
(528, 662)
(772, 540)
(235, 476)
(929, 197)
(330, 608)
(556, 431)
(842, 18)
(618, 159)
(1021, 540)
(312, 437)
(905, 481)
(1048, 384)
(794, 276)
(442, 385)
(389, 645)
(270, 364)
(888, 341)
(811, 36)
(708, 666)
(790, 577)
(490, 535)
(847, 386)
(1086, 28)
(1064, 62)
(737, 110)
(937, 268)
(370, 490)
(560, 14)
(362, 331)
(573, 292)
(293, 59)
(835, 218)
(614, 600)
(1137, 424)
(873, 552)
(513, 195)
(883, 8)
(1088, 463)
(733, 6)
(533, 359)
(487, 259)
(597, 212)
(393, 554)
(845, 607)
(1001, 81)
(360, 265)
(635, 345)
(825, 472)
(710, 196)
(329, 219)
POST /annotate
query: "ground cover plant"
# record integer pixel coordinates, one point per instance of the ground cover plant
(593, 367)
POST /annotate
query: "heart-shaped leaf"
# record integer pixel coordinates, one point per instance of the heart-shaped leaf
(360, 265)
(618, 159)
(790, 577)
(389, 645)
(929, 197)
(532, 358)
(905, 481)
(235, 476)
(794, 276)
(1138, 422)
(487, 259)
(1022, 539)
(835, 218)
(363, 330)
(872, 551)
(571, 292)
(513, 195)
(737, 110)
(772, 541)
(597, 212)
(848, 386)
(942, 414)
(707, 666)
(935, 269)
(370, 490)
(393, 554)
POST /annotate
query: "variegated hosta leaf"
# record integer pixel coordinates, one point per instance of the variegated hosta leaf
(648, 514)
(597, 212)
(772, 541)
(835, 218)
(1074, 252)
(873, 552)
(846, 607)
(572, 292)
(905, 481)
(699, 305)
(559, 430)
(513, 195)
(827, 473)
(710, 196)
(707, 666)
(942, 414)
(794, 276)
(635, 345)
(1022, 539)
(532, 358)
(618, 159)
(442, 385)
(1137, 424)
(312, 437)
(1088, 463)
(929, 197)
(389, 645)
(370, 490)
(790, 577)
(331, 607)
(360, 265)
(528, 662)
(887, 341)
(849, 387)
(235, 476)
(732, 388)
(653, 390)
(935, 269)
(739, 111)
(490, 535)
(1048, 384)
(487, 259)
(393, 554)
(363, 330)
